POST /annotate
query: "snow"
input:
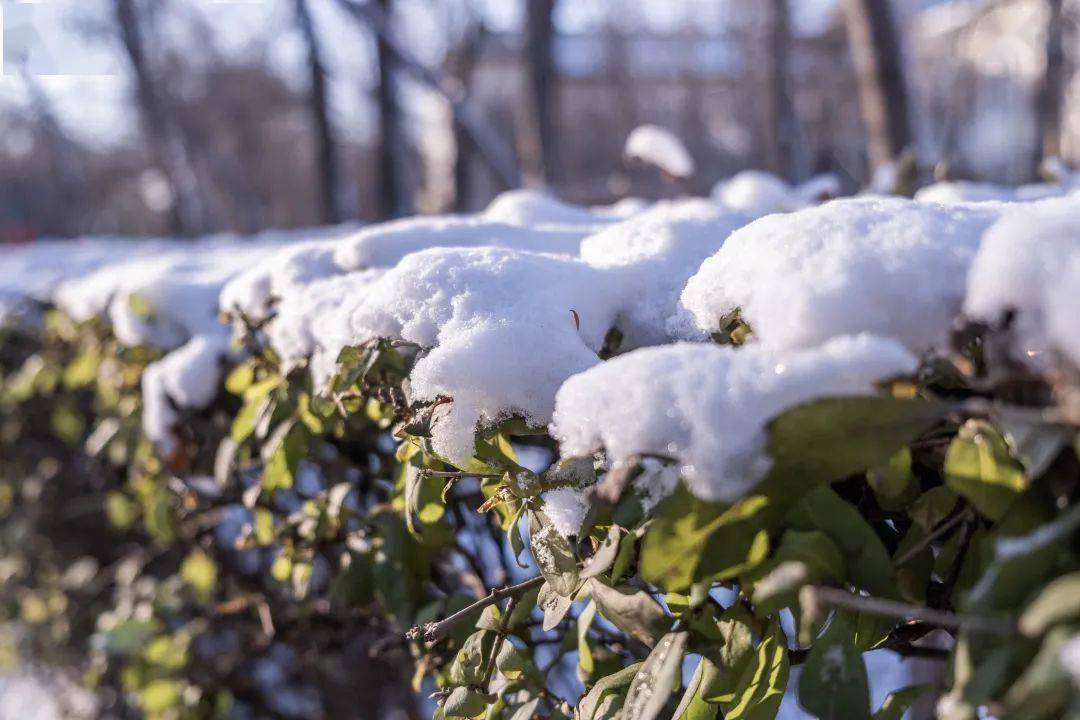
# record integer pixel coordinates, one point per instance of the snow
(30, 272)
(1070, 658)
(706, 406)
(567, 508)
(883, 265)
(656, 251)
(499, 325)
(953, 192)
(1027, 267)
(659, 146)
(168, 301)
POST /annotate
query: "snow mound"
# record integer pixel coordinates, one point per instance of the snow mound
(169, 302)
(1027, 269)
(959, 191)
(529, 208)
(659, 146)
(384, 245)
(706, 406)
(504, 327)
(887, 266)
(757, 193)
(656, 251)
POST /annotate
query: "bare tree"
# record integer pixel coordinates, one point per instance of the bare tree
(875, 50)
(166, 145)
(482, 136)
(781, 145)
(542, 77)
(392, 147)
(461, 62)
(1050, 95)
(323, 129)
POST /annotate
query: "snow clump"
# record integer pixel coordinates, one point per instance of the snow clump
(659, 146)
(706, 406)
(887, 266)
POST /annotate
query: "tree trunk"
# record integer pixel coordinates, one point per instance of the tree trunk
(781, 122)
(542, 76)
(166, 146)
(1050, 96)
(393, 190)
(879, 74)
(326, 154)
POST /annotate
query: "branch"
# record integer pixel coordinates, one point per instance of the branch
(435, 631)
(837, 598)
(500, 638)
(937, 532)
(495, 153)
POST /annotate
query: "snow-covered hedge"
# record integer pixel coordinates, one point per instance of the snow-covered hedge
(634, 461)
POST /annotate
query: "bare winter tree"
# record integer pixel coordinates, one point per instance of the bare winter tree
(166, 145)
(542, 77)
(782, 126)
(392, 147)
(1050, 95)
(461, 63)
(876, 53)
(322, 128)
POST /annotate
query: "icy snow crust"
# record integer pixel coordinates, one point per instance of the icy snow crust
(892, 267)
(706, 406)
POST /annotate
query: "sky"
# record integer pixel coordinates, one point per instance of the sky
(69, 47)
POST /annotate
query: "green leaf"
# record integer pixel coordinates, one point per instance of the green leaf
(1057, 602)
(290, 445)
(688, 532)
(866, 560)
(605, 686)
(893, 483)
(585, 655)
(836, 437)
(731, 652)
(633, 611)
(833, 684)
(693, 705)
(553, 605)
(978, 467)
(657, 679)
(763, 682)
(933, 506)
(200, 572)
(605, 555)
(553, 554)
(240, 378)
(900, 701)
(464, 702)
(160, 695)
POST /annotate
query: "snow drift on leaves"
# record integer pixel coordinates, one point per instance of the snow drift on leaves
(1026, 271)
(500, 325)
(706, 406)
(887, 266)
(659, 146)
(168, 301)
(656, 251)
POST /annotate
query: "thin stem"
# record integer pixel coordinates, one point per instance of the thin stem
(435, 631)
(500, 638)
(835, 597)
(937, 532)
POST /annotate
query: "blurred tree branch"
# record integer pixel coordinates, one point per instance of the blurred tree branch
(478, 130)
(320, 118)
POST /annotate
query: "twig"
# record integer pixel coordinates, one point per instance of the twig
(457, 474)
(435, 631)
(936, 533)
(500, 638)
(835, 597)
